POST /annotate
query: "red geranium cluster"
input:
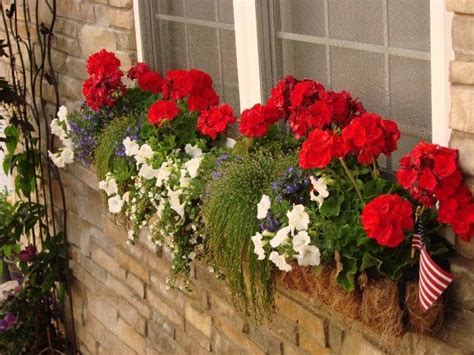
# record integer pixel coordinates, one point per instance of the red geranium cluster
(320, 148)
(386, 219)
(147, 79)
(369, 135)
(306, 105)
(431, 174)
(195, 85)
(215, 120)
(104, 84)
(163, 110)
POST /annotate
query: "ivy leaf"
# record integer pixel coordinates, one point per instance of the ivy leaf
(12, 135)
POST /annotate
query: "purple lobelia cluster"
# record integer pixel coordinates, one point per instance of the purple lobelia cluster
(292, 186)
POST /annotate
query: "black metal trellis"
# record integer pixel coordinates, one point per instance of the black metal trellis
(28, 44)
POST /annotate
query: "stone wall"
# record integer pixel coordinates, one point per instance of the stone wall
(121, 303)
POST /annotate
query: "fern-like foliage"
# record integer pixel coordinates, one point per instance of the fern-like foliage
(229, 215)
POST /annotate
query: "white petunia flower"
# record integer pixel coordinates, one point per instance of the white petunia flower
(300, 240)
(68, 155)
(147, 172)
(229, 142)
(193, 166)
(62, 113)
(126, 197)
(309, 255)
(143, 154)
(175, 203)
(115, 204)
(279, 261)
(193, 151)
(258, 246)
(298, 219)
(280, 237)
(6, 289)
(67, 142)
(131, 147)
(321, 187)
(57, 129)
(57, 159)
(109, 185)
(263, 206)
(163, 174)
(184, 181)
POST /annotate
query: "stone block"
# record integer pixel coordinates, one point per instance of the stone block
(141, 306)
(237, 335)
(465, 143)
(460, 6)
(131, 265)
(222, 345)
(66, 44)
(422, 344)
(137, 285)
(95, 270)
(465, 249)
(114, 17)
(126, 40)
(173, 296)
(125, 4)
(131, 337)
(463, 286)
(198, 319)
(93, 38)
(461, 72)
(462, 108)
(70, 87)
(107, 262)
(160, 306)
(161, 342)
(463, 37)
(67, 27)
(355, 344)
(312, 345)
(103, 311)
(119, 287)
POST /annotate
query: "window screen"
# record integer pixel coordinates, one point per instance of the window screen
(379, 50)
(180, 34)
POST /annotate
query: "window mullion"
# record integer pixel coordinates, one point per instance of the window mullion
(247, 50)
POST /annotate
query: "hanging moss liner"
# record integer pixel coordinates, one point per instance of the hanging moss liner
(380, 309)
(427, 322)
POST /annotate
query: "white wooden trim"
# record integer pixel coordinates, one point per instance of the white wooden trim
(247, 50)
(138, 30)
(441, 54)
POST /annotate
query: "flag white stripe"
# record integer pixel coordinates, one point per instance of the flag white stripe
(436, 271)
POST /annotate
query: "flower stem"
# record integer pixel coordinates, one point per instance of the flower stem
(351, 177)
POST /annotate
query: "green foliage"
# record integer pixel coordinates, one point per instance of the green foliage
(110, 141)
(229, 216)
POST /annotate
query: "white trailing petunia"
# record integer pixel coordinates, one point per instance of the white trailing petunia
(280, 237)
(68, 155)
(163, 173)
(57, 129)
(263, 206)
(67, 142)
(184, 181)
(309, 255)
(6, 289)
(298, 219)
(321, 187)
(109, 185)
(258, 246)
(300, 240)
(143, 154)
(57, 159)
(131, 147)
(193, 151)
(279, 261)
(175, 203)
(229, 142)
(147, 172)
(62, 114)
(193, 166)
(115, 204)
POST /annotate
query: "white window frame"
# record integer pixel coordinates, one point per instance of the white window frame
(249, 60)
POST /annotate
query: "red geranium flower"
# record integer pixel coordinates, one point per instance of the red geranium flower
(344, 107)
(102, 63)
(162, 111)
(386, 219)
(463, 225)
(205, 99)
(320, 148)
(254, 122)
(138, 70)
(150, 81)
(368, 136)
(280, 96)
(215, 121)
(450, 208)
(430, 172)
(305, 93)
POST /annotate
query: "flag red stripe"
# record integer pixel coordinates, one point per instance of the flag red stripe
(434, 268)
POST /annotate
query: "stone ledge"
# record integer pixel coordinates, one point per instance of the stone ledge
(460, 6)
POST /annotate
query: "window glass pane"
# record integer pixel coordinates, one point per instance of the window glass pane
(378, 50)
(197, 34)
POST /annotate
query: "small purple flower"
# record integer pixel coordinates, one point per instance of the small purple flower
(28, 253)
(8, 322)
(270, 224)
(216, 175)
(223, 157)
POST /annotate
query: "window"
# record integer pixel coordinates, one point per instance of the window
(193, 34)
(378, 50)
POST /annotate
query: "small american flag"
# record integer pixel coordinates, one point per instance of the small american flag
(433, 280)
